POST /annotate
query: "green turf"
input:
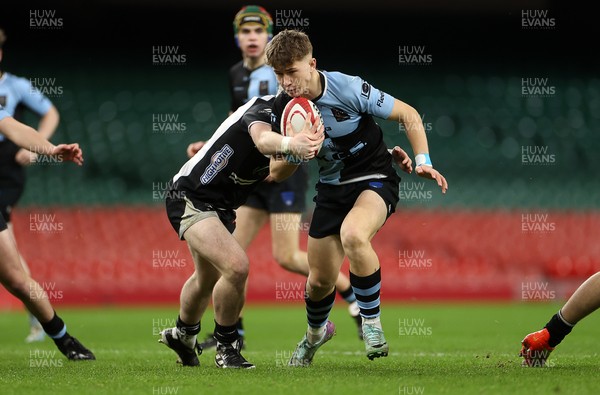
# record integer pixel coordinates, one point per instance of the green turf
(434, 349)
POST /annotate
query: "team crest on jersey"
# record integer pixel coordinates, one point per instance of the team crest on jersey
(218, 162)
(3, 101)
(263, 88)
(340, 115)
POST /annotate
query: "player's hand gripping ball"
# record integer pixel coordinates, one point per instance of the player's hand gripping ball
(295, 114)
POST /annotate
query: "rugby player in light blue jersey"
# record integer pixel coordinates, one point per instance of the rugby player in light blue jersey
(12, 273)
(279, 203)
(357, 189)
(15, 94)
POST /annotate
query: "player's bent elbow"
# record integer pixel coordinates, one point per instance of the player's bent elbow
(279, 170)
(277, 175)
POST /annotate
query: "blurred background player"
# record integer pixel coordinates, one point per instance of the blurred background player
(12, 273)
(358, 187)
(200, 205)
(280, 203)
(537, 346)
(15, 94)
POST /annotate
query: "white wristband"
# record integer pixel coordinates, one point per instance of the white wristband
(423, 159)
(285, 144)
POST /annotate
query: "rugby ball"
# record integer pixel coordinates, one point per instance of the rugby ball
(295, 114)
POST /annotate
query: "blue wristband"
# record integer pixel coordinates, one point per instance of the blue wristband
(423, 159)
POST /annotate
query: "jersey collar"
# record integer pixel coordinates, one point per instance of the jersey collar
(323, 86)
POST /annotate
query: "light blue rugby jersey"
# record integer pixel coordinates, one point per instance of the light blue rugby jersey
(263, 73)
(17, 90)
(353, 149)
(354, 97)
(3, 113)
(246, 84)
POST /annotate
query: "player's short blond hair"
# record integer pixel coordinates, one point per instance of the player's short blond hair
(287, 47)
(2, 38)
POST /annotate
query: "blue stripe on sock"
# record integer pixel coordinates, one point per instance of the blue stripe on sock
(368, 305)
(369, 291)
(59, 334)
(351, 298)
(371, 315)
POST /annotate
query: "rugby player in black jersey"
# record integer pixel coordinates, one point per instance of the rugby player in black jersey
(200, 206)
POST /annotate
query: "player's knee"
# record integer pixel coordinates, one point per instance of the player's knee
(320, 283)
(352, 240)
(237, 271)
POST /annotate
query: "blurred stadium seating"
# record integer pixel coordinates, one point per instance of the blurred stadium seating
(130, 254)
(478, 127)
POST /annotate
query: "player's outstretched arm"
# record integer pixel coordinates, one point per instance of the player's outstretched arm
(46, 128)
(413, 125)
(26, 137)
(426, 171)
(69, 152)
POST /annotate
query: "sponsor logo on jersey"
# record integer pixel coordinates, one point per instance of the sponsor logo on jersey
(381, 99)
(340, 115)
(366, 90)
(266, 111)
(218, 162)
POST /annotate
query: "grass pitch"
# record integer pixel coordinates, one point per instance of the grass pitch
(434, 349)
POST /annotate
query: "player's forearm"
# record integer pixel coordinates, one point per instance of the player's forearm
(417, 137)
(412, 123)
(415, 132)
(266, 141)
(25, 136)
(270, 143)
(48, 123)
